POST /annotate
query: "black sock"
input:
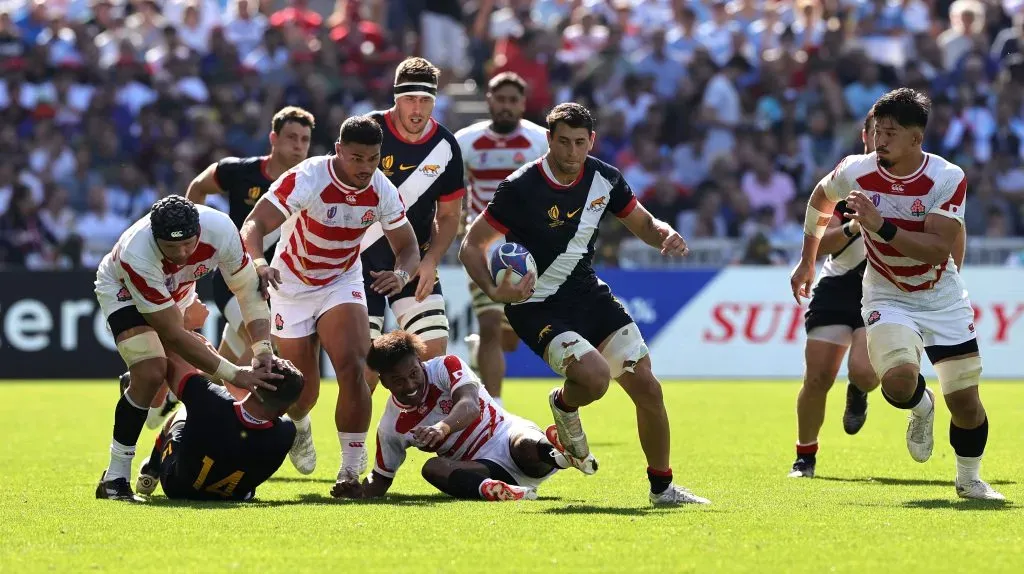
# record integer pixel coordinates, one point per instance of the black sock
(561, 404)
(128, 422)
(154, 457)
(968, 442)
(464, 484)
(546, 453)
(660, 479)
(913, 400)
(852, 388)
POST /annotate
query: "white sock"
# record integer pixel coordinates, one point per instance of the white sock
(171, 396)
(968, 468)
(120, 461)
(302, 425)
(353, 445)
(924, 407)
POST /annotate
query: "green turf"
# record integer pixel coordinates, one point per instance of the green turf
(871, 507)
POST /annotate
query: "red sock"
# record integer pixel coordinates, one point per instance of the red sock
(811, 449)
(561, 404)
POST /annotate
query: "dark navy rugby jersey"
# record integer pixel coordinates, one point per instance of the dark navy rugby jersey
(558, 223)
(425, 172)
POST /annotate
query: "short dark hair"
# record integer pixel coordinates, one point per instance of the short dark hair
(571, 114)
(417, 70)
(288, 389)
(174, 218)
(361, 130)
(869, 121)
(292, 114)
(507, 79)
(905, 106)
(388, 350)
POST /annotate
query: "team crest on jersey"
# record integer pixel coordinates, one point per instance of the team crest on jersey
(446, 406)
(431, 170)
(123, 295)
(876, 199)
(200, 271)
(332, 212)
(368, 217)
(598, 204)
(386, 163)
(873, 317)
(917, 209)
(553, 215)
(278, 322)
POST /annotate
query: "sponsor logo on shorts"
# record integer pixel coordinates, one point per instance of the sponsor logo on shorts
(368, 217)
(917, 209)
(598, 204)
(446, 406)
(123, 295)
(431, 170)
(543, 332)
(332, 212)
(873, 317)
(357, 295)
(278, 322)
(200, 271)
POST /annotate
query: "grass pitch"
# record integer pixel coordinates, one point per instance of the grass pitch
(871, 508)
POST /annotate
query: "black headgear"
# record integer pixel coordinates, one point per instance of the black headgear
(174, 218)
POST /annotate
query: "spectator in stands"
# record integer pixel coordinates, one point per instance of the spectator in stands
(766, 186)
(99, 228)
(24, 241)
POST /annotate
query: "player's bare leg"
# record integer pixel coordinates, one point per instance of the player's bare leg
(968, 425)
(644, 390)
(490, 354)
(587, 379)
(344, 330)
(862, 381)
(304, 353)
(822, 360)
(469, 479)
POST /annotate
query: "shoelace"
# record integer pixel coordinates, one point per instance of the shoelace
(917, 428)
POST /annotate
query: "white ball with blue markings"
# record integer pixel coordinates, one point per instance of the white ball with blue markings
(511, 258)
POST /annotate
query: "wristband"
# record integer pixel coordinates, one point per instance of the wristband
(262, 348)
(888, 230)
(812, 222)
(403, 275)
(847, 231)
(226, 371)
(259, 262)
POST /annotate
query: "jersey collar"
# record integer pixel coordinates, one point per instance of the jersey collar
(248, 420)
(340, 184)
(427, 131)
(550, 175)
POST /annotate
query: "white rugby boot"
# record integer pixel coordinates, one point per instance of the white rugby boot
(978, 490)
(676, 495)
(585, 465)
(303, 452)
(570, 429)
(498, 491)
(920, 433)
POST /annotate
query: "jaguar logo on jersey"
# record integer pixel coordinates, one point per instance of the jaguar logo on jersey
(917, 209)
(278, 322)
(332, 212)
(553, 215)
(253, 195)
(544, 331)
(123, 295)
(431, 170)
(200, 271)
(386, 163)
(446, 406)
(598, 204)
(368, 217)
(873, 317)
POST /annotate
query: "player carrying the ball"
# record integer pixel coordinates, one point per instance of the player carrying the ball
(438, 405)
(566, 314)
(910, 207)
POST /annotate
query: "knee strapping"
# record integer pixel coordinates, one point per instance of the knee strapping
(376, 327)
(624, 350)
(891, 345)
(141, 347)
(958, 374)
(565, 349)
(426, 319)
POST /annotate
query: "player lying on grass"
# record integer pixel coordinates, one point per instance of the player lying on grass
(483, 451)
(216, 448)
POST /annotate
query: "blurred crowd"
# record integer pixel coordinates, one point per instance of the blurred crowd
(721, 114)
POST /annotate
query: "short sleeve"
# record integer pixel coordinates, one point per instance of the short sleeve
(231, 255)
(952, 198)
(391, 209)
(499, 211)
(390, 455)
(146, 284)
(226, 172)
(453, 184)
(836, 184)
(622, 201)
(459, 373)
(291, 192)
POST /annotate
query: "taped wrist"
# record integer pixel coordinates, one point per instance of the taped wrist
(226, 370)
(245, 284)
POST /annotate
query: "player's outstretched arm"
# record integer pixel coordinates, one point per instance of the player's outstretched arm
(654, 232)
(204, 184)
(465, 410)
(933, 245)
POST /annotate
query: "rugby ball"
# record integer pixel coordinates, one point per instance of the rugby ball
(511, 258)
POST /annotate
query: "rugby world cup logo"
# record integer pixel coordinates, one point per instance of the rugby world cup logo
(876, 199)
(332, 212)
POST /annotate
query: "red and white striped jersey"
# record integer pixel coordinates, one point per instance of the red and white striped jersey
(327, 219)
(445, 374)
(490, 157)
(937, 187)
(154, 283)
